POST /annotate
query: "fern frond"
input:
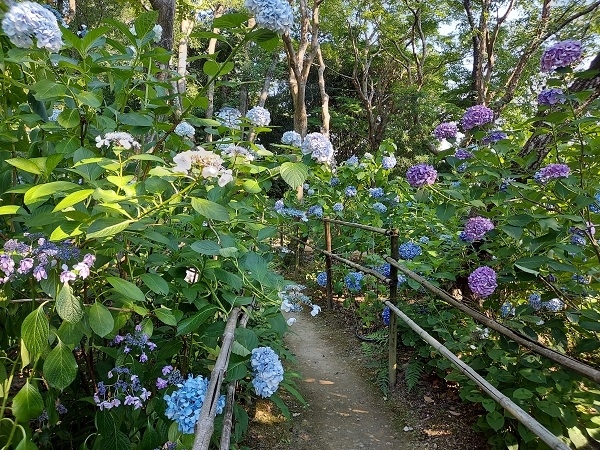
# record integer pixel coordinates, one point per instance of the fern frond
(413, 373)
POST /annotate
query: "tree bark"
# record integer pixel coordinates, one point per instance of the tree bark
(187, 25)
(325, 117)
(210, 92)
(166, 19)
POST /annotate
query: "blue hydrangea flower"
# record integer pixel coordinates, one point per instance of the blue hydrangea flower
(291, 138)
(350, 191)
(334, 181)
(27, 20)
(184, 129)
(535, 301)
(259, 116)
(322, 279)
(580, 279)
(268, 371)
(423, 239)
(389, 162)
(376, 192)
(353, 281)
(578, 240)
(494, 137)
(379, 207)
(409, 250)
(462, 154)
(184, 404)
(554, 305)
(319, 147)
(385, 315)
(229, 117)
(507, 309)
(275, 15)
(338, 207)
(352, 161)
(315, 210)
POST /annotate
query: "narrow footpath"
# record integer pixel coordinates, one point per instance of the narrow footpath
(345, 411)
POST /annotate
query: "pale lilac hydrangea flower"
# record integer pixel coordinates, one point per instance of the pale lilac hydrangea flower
(259, 116)
(421, 175)
(235, 151)
(319, 147)
(476, 116)
(210, 163)
(184, 129)
(27, 20)
(482, 281)
(561, 54)
(275, 15)
(229, 117)
(551, 171)
(445, 130)
(551, 97)
(291, 138)
(494, 137)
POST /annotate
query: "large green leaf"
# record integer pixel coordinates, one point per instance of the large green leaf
(108, 428)
(28, 403)
(73, 198)
(48, 89)
(25, 165)
(35, 331)
(100, 319)
(69, 118)
(11, 209)
(155, 283)
(445, 211)
(44, 191)
(206, 247)
(294, 173)
(136, 119)
(127, 289)
(495, 420)
(68, 306)
(166, 316)
(210, 210)
(60, 367)
(89, 99)
(191, 324)
(106, 227)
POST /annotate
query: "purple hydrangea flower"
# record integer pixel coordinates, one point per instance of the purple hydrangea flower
(421, 175)
(161, 384)
(7, 264)
(475, 228)
(25, 265)
(561, 54)
(493, 137)
(551, 171)
(482, 281)
(445, 130)
(476, 116)
(551, 97)
(461, 154)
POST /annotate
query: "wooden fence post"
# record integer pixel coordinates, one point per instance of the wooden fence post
(393, 326)
(328, 263)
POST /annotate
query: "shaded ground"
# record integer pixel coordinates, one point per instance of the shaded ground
(346, 410)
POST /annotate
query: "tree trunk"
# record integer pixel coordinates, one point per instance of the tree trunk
(187, 26)
(325, 117)
(166, 19)
(268, 77)
(210, 92)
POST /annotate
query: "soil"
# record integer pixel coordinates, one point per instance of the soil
(347, 410)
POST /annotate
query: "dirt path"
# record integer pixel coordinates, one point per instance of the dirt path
(345, 411)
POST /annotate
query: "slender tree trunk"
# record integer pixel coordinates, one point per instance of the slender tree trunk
(187, 25)
(210, 92)
(264, 93)
(325, 117)
(166, 19)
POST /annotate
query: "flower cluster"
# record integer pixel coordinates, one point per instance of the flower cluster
(475, 229)
(210, 164)
(421, 175)
(409, 250)
(595, 207)
(385, 270)
(54, 116)
(376, 192)
(184, 129)
(173, 377)
(126, 390)
(494, 137)
(350, 191)
(561, 54)
(338, 207)
(507, 309)
(551, 171)
(315, 210)
(118, 138)
(482, 281)
(577, 239)
(184, 404)
(235, 151)
(462, 154)
(289, 212)
(551, 97)
(445, 130)
(229, 117)
(334, 181)
(259, 116)
(554, 305)
(292, 299)
(535, 301)
(319, 147)
(137, 342)
(388, 162)
(379, 207)
(275, 15)
(322, 279)
(27, 20)
(476, 116)
(385, 315)
(352, 161)
(291, 138)
(267, 369)
(353, 281)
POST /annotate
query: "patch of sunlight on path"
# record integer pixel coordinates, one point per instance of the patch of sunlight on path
(346, 411)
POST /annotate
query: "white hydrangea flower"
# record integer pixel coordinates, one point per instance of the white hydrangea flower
(229, 117)
(120, 138)
(291, 138)
(319, 147)
(233, 151)
(27, 20)
(184, 129)
(210, 164)
(157, 30)
(275, 15)
(191, 276)
(291, 321)
(259, 116)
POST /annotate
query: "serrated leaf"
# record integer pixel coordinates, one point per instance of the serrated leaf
(107, 227)
(294, 173)
(69, 118)
(112, 437)
(155, 283)
(60, 367)
(48, 89)
(445, 211)
(127, 289)
(100, 319)
(247, 338)
(89, 99)
(73, 198)
(210, 210)
(68, 306)
(232, 20)
(136, 119)
(28, 403)
(44, 191)
(35, 331)
(166, 316)
(192, 323)
(206, 247)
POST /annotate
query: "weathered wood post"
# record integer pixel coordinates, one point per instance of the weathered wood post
(328, 263)
(393, 326)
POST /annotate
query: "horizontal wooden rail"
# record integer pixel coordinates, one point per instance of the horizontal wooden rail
(564, 360)
(384, 231)
(537, 428)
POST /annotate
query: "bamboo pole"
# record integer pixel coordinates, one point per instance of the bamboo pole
(384, 231)
(328, 270)
(206, 422)
(567, 361)
(522, 416)
(393, 325)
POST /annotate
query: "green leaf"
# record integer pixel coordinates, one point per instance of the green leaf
(166, 316)
(591, 326)
(247, 339)
(100, 319)
(73, 198)
(522, 393)
(206, 247)
(489, 404)
(211, 68)
(549, 408)
(127, 289)
(210, 210)
(25, 165)
(445, 211)
(69, 118)
(35, 331)
(108, 428)
(60, 367)
(106, 227)
(191, 324)
(232, 20)
(89, 99)
(68, 306)
(44, 191)
(47, 89)
(155, 283)
(11, 209)
(252, 186)
(495, 420)
(294, 173)
(28, 403)
(577, 438)
(136, 119)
